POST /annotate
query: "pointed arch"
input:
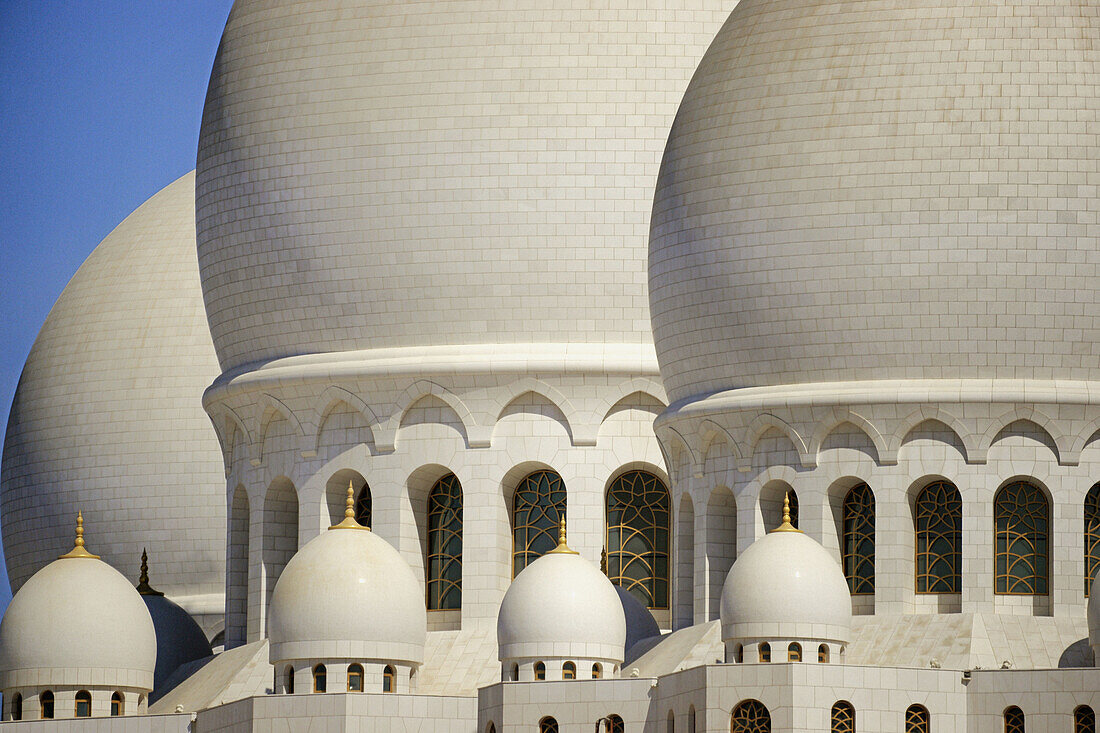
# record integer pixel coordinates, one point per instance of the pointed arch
(1026, 413)
(336, 492)
(476, 435)
(547, 391)
(332, 398)
(838, 417)
(766, 421)
(967, 438)
(616, 394)
(709, 432)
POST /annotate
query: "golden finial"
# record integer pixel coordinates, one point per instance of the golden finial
(603, 561)
(562, 548)
(349, 512)
(786, 526)
(143, 586)
(78, 550)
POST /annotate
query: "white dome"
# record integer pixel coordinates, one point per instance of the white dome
(77, 622)
(786, 586)
(108, 413)
(835, 204)
(403, 174)
(561, 607)
(347, 594)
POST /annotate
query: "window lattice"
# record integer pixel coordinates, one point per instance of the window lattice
(793, 507)
(537, 507)
(445, 544)
(1084, 720)
(548, 725)
(364, 507)
(751, 716)
(1014, 720)
(615, 724)
(843, 718)
(858, 553)
(1021, 518)
(916, 719)
(1092, 536)
(939, 539)
(638, 537)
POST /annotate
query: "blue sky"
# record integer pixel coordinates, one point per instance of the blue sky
(100, 105)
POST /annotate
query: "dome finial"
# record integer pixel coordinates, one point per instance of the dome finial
(349, 511)
(143, 586)
(562, 548)
(786, 526)
(78, 549)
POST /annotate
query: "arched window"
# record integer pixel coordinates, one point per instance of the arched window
(843, 718)
(794, 652)
(364, 507)
(1084, 720)
(670, 727)
(548, 725)
(739, 653)
(355, 678)
(1014, 720)
(615, 724)
(288, 675)
(637, 537)
(1021, 521)
(597, 671)
(938, 519)
(45, 705)
(320, 678)
(117, 705)
(858, 544)
(569, 671)
(490, 728)
(83, 704)
(750, 716)
(691, 719)
(540, 672)
(823, 653)
(765, 652)
(916, 719)
(1092, 536)
(445, 544)
(537, 508)
(389, 679)
(515, 672)
(17, 707)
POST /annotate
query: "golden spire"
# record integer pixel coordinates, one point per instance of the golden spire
(349, 512)
(562, 548)
(603, 561)
(78, 550)
(143, 586)
(786, 526)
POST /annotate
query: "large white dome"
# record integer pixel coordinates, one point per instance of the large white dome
(108, 413)
(882, 190)
(347, 594)
(444, 172)
(77, 622)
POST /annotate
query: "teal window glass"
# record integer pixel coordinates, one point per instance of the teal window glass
(1092, 536)
(751, 716)
(445, 544)
(638, 537)
(938, 515)
(1021, 518)
(537, 509)
(858, 544)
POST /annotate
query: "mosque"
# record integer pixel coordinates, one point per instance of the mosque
(665, 367)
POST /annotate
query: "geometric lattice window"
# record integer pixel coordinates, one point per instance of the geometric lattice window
(117, 705)
(45, 705)
(916, 719)
(615, 724)
(939, 538)
(1092, 536)
(637, 537)
(858, 545)
(794, 652)
(843, 718)
(793, 502)
(364, 507)
(389, 679)
(445, 544)
(823, 654)
(548, 725)
(1084, 720)
(355, 678)
(764, 652)
(1021, 521)
(83, 704)
(537, 508)
(1014, 720)
(320, 678)
(751, 716)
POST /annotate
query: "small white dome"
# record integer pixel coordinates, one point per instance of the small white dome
(77, 622)
(561, 607)
(786, 586)
(347, 594)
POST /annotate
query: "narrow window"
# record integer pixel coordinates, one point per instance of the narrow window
(364, 507)
(540, 672)
(289, 680)
(938, 519)
(569, 671)
(445, 544)
(750, 716)
(1021, 520)
(615, 724)
(691, 719)
(490, 728)
(548, 725)
(537, 507)
(843, 718)
(117, 708)
(638, 537)
(597, 671)
(794, 652)
(17, 707)
(389, 679)
(355, 678)
(917, 720)
(1084, 720)
(45, 704)
(515, 672)
(320, 678)
(765, 652)
(823, 654)
(1014, 720)
(858, 545)
(670, 727)
(83, 704)
(1092, 536)
(739, 653)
